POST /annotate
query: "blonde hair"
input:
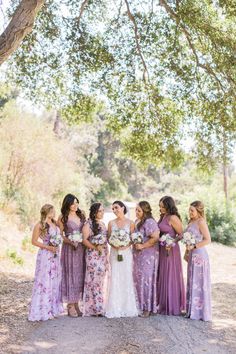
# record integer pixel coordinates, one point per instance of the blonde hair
(45, 210)
(199, 206)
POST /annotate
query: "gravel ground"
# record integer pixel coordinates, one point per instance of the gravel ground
(157, 334)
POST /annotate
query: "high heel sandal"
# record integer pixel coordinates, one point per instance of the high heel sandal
(72, 311)
(79, 313)
(145, 314)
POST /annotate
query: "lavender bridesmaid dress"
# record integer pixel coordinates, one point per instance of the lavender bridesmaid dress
(45, 302)
(73, 267)
(170, 286)
(198, 280)
(95, 278)
(145, 269)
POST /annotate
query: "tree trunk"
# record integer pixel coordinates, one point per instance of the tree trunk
(225, 167)
(20, 25)
(225, 173)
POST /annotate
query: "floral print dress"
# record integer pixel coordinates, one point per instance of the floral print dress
(46, 299)
(96, 272)
(198, 280)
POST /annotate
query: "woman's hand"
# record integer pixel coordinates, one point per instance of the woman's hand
(99, 248)
(52, 249)
(139, 247)
(189, 247)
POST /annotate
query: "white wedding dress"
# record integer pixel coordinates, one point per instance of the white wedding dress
(121, 300)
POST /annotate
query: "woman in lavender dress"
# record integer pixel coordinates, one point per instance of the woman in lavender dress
(198, 280)
(170, 288)
(45, 302)
(72, 256)
(96, 262)
(146, 256)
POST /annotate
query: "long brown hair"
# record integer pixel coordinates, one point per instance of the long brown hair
(44, 227)
(147, 213)
(65, 209)
(169, 205)
(199, 206)
(96, 228)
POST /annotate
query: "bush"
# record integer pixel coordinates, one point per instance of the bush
(12, 254)
(222, 226)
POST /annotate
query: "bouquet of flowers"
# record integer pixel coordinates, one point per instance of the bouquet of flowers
(167, 241)
(188, 239)
(119, 238)
(137, 237)
(76, 237)
(99, 239)
(55, 241)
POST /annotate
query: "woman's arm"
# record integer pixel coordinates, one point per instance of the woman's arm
(36, 235)
(177, 225)
(153, 237)
(61, 226)
(203, 228)
(86, 233)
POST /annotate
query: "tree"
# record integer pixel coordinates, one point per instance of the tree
(149, 62)
(20, 25)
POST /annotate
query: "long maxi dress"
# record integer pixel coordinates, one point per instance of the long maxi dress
(95, 278)
(198, 280)
(46, 298)
(121, 300)
(170, 285)
(146, 268)
(73, 267)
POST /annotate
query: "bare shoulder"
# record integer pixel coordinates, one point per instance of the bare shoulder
(202, 222)
(59, 218)
(174, 219)
(37, 226)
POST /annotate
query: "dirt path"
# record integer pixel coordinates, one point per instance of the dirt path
(157, 334)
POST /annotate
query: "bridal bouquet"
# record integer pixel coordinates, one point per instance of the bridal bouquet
(137, 237)
(167, 241)
(76, 237)
(55, 241)
(188, 239)
(99, 239)
(119, 238)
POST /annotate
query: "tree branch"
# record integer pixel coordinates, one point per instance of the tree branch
(137, 36)
(20, 25)
(176, 18)
(83, 5)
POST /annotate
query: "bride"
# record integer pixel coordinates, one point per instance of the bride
(121, 292)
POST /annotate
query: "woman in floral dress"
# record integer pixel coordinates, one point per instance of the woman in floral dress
(146, 256)
(45, 302)
(95, 240)
(198, 279)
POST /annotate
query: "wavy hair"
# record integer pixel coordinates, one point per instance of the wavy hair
(147, 213)
(169, 205)
(65, 209)
(45, 210)
(96, 228)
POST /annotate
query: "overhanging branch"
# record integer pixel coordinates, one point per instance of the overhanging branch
(20, 25)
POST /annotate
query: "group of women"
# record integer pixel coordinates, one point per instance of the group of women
(92, 282)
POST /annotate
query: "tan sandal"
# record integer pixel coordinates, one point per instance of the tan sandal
(79, 313)
(145, 314)
(71, 310)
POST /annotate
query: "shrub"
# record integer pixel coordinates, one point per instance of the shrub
(222, 225)
(12, 254)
